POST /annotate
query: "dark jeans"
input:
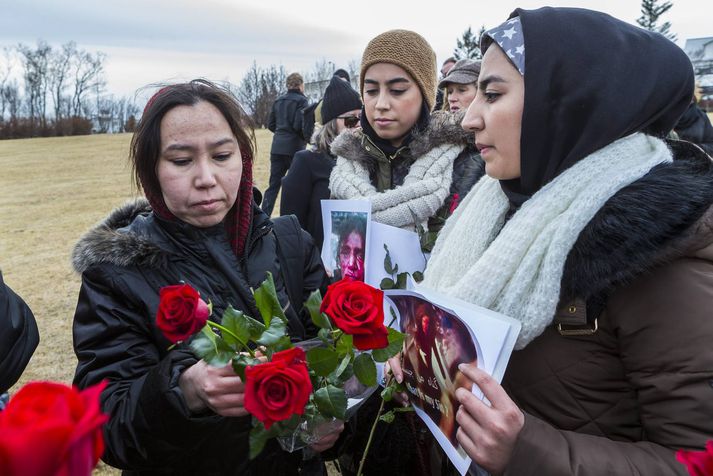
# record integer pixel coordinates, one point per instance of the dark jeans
(279, 164)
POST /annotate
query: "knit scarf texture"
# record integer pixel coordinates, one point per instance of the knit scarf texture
(515, 268)
(422, 193)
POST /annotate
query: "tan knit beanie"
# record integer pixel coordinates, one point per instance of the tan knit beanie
(410, 51)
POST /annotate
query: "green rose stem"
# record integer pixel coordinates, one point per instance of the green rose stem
(371, 435)
(228, 331)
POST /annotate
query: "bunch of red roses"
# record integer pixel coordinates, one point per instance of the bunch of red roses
(293, 387)
(50, 428)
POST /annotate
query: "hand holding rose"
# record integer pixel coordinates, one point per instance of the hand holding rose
(487, 433)
(217, 388)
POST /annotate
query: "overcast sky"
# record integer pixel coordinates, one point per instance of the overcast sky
(152, 41)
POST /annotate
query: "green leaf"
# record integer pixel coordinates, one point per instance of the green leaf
(283, 343)
(396, 341)
(345, 344)
(388, 417)
(401, 280)
(241, 362)
(255, 327)
(388, 267)
(335, 377)
(211, 348)
(387, 283)
(365, 369)
(331, 401)
(272, 335)
(267, 302)
(417, 276)
(387, 394)
(258, 437)
(322, 360)
(313, 304)
(235, 322)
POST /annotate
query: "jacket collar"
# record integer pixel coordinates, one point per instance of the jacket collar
(129, 236)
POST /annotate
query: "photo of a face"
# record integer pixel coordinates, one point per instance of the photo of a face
(436, 343)
(349, 244)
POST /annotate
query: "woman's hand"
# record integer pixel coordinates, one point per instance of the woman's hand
(393, 368)
(487, 433)
(331, 430)
(217, 388)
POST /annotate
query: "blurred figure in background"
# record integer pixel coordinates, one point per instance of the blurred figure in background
(460, 85)
(286, 123)
(695, 126)
(445, 69)
(307, 181)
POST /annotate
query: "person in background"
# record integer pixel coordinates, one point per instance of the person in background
(170, 413)
(460, 85)
(597, 235)
(445, 68)
(18, 338)
(695, 126)
(285, 122)
(307, 181)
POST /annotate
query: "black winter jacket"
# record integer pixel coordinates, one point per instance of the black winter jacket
(304, 187)
(124, 262)
(286, 122)
(695, 126)
(18, 336)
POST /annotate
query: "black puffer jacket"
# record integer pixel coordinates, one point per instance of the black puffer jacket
(286, 122)
(124, 262)
(18, 336)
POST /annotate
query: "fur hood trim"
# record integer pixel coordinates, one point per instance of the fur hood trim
(443, 128)
(105, 243)
(665, 215)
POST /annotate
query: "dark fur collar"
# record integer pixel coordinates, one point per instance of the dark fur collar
(443, 128)
(106, 244)
(662, 216)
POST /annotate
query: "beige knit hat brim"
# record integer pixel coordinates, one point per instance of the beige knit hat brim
(409, 51)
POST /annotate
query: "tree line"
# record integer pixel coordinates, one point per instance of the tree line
(56, 91)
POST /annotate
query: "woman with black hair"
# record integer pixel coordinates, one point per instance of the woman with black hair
(171, 413)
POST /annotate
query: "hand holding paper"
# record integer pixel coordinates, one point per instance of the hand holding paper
(487, 433)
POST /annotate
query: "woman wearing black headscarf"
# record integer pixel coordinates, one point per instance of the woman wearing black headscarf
(598, 237)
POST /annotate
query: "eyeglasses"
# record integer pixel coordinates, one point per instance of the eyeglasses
(350, 122)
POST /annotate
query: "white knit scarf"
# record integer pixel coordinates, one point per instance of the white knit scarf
(517, 269)
(422, 193)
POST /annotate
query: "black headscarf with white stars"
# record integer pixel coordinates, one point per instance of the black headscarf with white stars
(590, 80)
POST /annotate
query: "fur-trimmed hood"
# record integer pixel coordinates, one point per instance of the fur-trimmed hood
(105, 243)
(665, 215)
(443, 128)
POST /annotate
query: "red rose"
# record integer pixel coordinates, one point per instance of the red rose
(276, 390)
(51, 429)
(698, 463)
(181, 312)
(357, 309)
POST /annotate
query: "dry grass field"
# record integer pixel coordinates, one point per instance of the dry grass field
(51, 191)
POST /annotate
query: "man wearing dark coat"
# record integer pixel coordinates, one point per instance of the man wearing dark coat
(285, 122)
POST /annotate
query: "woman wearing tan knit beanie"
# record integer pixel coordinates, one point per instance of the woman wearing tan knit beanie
(414, 167)
(411, 164)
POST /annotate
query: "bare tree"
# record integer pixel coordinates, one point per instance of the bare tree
(88, 74)
(258, 90)
(5, 71)
(60, 64)
(36, 64)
